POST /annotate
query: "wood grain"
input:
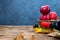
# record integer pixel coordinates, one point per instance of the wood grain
(10, 32)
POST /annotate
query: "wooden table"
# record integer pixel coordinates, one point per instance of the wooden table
(10, 32)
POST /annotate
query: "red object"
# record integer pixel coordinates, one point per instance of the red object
(47, 17)
(53, 15)
(45, 10)
(44, 17)
(45, 24)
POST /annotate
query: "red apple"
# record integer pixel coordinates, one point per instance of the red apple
(45, 24)
(47, 17)
(45, 9)
(53, 15)
(44, 17)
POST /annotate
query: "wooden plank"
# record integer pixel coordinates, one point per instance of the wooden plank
(10, 32)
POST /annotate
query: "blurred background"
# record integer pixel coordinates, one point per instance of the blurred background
(24, 12)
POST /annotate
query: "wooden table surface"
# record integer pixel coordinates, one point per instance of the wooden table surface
(10, 32)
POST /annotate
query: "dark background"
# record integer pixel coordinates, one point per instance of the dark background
(24, 12)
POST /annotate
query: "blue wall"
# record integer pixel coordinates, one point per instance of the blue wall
(24, 12)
